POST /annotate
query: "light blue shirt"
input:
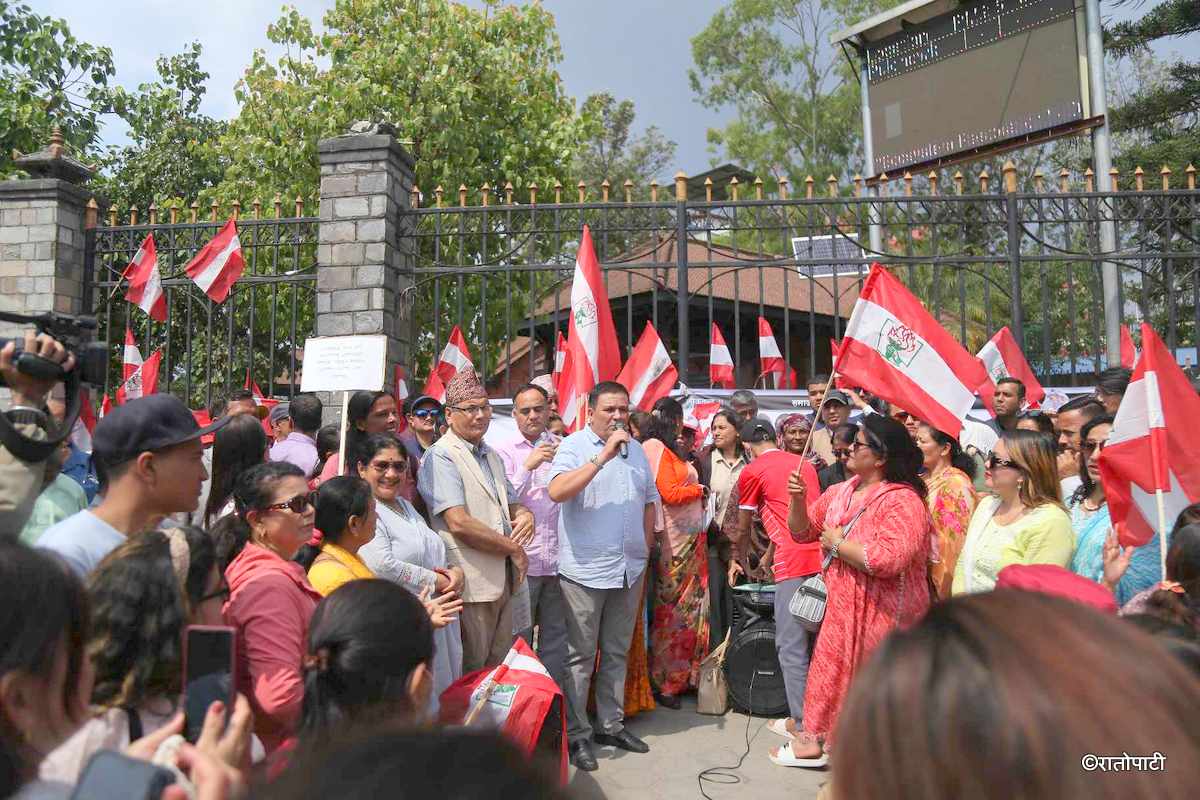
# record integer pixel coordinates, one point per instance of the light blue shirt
(82, 540)
(601, 530)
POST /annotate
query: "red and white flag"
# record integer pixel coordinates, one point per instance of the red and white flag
(1002, 358)
(263, 402)
(218, 264)
(895, 349)
(140, 378)
(454, 356)
(703, 414)
(145, 283)
(81, 434)
(1128, 351)
(1151, 446)
(105, 407)
(560, 356)
(770, 359)
(593, 352)
(720, 362)
(649, 373)
(435, 388)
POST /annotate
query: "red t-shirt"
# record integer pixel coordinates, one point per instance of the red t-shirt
(762, 487)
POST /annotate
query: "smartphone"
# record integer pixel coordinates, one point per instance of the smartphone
(111, 775)
(209, 661)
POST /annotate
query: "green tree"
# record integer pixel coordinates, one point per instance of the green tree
(48, 78)
(609, 150)
(1166, 110)
(795, 94)
(169, 157)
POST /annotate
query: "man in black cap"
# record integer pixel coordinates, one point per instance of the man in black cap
(835, 411)
(149, 457)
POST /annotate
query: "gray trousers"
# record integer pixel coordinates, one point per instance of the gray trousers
(550, 616)
(605, 617)
(792, 645)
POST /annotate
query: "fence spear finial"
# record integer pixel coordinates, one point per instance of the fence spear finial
(1166, 178)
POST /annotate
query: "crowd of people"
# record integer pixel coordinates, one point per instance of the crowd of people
(365, 577)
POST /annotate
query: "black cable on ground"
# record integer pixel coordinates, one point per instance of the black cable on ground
(726, 776)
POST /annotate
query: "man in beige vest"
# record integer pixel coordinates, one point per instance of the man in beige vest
(474, 509)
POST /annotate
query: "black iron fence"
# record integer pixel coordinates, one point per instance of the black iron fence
(208, 349)
(1030, 260)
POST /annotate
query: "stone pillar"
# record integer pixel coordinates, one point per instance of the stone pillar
(42, 235)
(365, 254)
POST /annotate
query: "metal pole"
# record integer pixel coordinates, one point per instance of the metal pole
(874, 231)
(682, 295)
(1102, 158)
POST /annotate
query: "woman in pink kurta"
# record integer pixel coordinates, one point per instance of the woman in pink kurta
(877, 528)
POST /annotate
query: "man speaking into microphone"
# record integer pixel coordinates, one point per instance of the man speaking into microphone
(602, 480)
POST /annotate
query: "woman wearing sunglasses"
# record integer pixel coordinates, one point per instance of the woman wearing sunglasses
(270, 598)
(1095, 540)
(1024, 522)
(406, 551)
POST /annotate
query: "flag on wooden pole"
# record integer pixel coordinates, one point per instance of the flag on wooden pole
(771, 360)
(145, 283)
(140, 377)
(720, 362)
(649, 373)
(896, 350)
(1002, 358)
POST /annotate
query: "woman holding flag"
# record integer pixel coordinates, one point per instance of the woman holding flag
(1025, 522)
(874, 529)
(1094, 528)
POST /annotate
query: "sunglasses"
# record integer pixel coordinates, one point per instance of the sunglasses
(1091, 447)
(425, 413)
(298, 504)
(856, 446)
(995, 462)
(383, 466)
(839, 452)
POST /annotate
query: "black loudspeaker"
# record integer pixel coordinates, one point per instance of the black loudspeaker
(751, 664)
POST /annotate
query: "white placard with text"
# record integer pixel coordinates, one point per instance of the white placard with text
(344, 363)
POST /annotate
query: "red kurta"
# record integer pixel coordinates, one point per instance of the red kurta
(863, 607)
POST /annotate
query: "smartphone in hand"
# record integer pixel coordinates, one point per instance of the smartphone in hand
(209, 663)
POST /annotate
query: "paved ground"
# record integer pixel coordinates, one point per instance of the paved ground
(682, 744)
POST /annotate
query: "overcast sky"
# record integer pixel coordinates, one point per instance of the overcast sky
(635, 49)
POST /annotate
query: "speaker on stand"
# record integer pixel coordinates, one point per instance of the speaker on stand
(751, 657)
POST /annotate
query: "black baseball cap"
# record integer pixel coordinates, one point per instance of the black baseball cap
(146, 424)
(837, 396)
(423, 399)
(758, 429)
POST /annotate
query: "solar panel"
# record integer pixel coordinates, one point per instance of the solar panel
(828, 255)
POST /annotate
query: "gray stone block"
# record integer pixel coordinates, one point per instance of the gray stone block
(324, 302)
(379, 205)
(347, 255)
(42, 233)
(371, 230)
(14, 269)
(368, 276)
(41, 251)
(374, 252)
(368, 322)
(372, 182)
(336, 232)
(338, 186)
(351, 207)
(330, 279)
(14, 234)
(350, 300)
(335, 324)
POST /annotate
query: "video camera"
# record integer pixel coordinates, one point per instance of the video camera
(91, 365)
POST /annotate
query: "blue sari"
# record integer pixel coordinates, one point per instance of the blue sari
(1145, 568)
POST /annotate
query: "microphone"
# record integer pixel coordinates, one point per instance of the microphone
(620, 426)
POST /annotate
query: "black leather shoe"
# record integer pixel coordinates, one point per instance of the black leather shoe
(670, 701)
(624, 740)
(582, 757)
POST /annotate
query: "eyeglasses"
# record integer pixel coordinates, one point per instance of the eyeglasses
(856, 445)
(902, 416)
(383, 466)
(839, 452)
(1089, 447)
(995, 462)
(473, 411)
(425, 413)
(297, 505)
